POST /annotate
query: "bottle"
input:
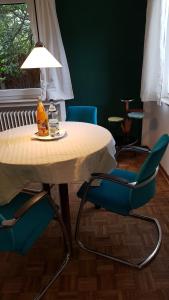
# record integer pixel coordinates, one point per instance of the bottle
(42, 119)
(53, 120)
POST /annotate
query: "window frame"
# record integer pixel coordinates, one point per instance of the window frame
(17, 97)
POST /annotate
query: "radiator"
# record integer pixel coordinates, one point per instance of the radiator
(11, 119)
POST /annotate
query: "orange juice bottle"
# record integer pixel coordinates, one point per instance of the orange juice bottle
(42, 119)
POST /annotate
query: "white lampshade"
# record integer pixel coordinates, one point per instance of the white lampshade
(40, 57)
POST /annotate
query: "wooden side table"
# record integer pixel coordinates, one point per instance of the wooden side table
(126, 123)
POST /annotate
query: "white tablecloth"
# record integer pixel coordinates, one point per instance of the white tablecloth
(85, 148)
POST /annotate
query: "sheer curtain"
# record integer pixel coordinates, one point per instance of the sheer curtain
(155, 72)
(56, 82)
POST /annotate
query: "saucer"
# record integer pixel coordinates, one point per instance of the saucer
(57, 136)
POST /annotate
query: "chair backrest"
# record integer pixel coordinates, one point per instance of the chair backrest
(153, 159)
(142, 195)
(27, 230)
(86, 114)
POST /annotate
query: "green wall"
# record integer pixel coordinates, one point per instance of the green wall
(103, 41)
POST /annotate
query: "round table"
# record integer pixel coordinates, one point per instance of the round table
(85, 148)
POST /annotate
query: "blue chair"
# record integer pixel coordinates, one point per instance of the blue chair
(121, 191)
(86, 114)
(24, 220)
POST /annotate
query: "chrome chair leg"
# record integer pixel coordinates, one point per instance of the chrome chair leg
(65, 260)
(159, 233)
(138, 265)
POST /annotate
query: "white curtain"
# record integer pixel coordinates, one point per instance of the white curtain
(154, 84)
(56, 82)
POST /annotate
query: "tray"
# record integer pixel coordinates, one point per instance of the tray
(59, 135)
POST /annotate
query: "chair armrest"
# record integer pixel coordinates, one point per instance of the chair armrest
(112, 178)
(23, 209)
(135, 149)
(122, 181)
(27, 205)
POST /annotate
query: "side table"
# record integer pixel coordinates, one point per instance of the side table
(126, 124)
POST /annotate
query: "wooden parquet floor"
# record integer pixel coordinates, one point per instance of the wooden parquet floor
(89, 277)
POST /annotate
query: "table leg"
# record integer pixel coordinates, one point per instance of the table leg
(65, 210)
(64, 204)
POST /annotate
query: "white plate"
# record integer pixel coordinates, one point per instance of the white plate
(59, 135)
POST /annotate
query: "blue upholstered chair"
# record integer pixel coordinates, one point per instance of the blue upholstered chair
(122, 191)
(24, 220)
(86, 114)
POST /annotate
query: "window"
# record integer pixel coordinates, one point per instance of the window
(16, 42)
(23, 88)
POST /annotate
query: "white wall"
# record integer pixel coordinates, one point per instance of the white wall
(156, 123)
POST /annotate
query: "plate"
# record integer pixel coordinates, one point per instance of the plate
(59, 135)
